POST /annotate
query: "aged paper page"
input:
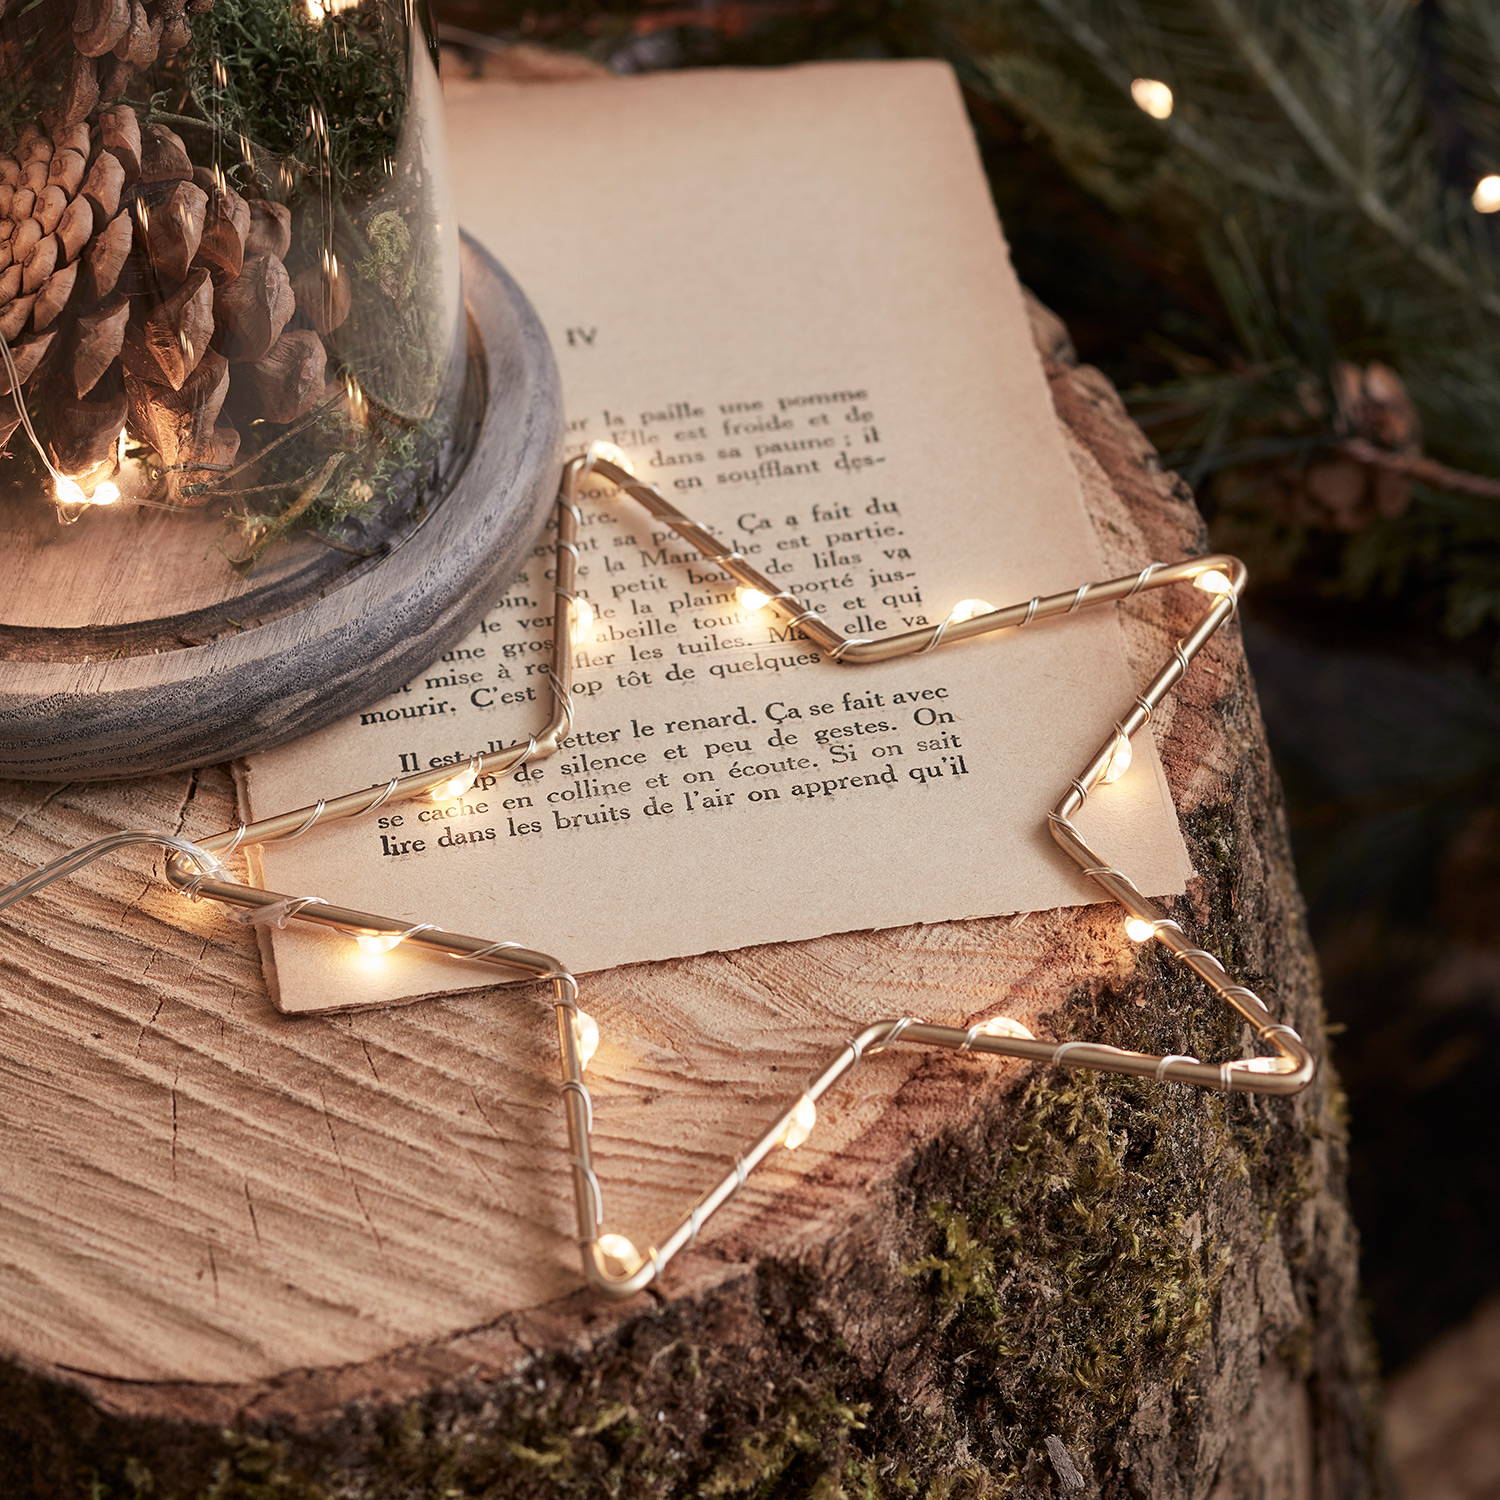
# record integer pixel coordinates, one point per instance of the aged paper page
(786, 297)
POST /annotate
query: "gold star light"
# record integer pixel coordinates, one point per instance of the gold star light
(611, 1262)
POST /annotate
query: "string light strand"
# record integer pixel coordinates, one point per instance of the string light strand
(612, 1263)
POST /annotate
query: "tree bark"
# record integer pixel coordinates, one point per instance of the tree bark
(1004, 1283)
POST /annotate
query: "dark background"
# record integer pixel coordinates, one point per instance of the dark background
(1326, 395)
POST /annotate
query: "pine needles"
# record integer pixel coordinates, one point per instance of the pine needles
(1320, 157)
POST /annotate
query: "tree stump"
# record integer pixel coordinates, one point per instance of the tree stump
(245, 1256)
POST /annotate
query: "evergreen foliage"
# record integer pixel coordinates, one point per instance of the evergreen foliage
(1316, 172)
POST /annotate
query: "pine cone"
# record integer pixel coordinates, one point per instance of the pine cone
(48, 199)
(137, 290)
(114, 40)
(1342, 491)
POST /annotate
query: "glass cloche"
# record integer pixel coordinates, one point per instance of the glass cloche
(230, 314)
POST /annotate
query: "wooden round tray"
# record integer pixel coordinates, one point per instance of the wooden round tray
(92, 686)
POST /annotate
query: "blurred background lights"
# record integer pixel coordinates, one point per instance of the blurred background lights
(1487, 193)
(1153, 96)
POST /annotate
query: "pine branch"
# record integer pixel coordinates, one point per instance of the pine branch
(1364, 192)
(1418, 466)
(1314, 176)
(1179, 130)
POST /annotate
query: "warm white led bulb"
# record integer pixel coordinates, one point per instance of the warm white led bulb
(581, 626)
(585, 1036)
(1486, 197)
(1119, 760)
(1139, 930)
(359, 405)
(609, 453)
(68, 491)
(455, 786)
(1007, 1026)
(752, 599)
(800, 1125)
(969, 609)
(1213, 582)
(377, 942)
(106, 494)
(626, 1259)
(1153, 96)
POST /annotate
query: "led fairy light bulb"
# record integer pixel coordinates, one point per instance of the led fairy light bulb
(68, 491)
(359, 406)
(752, 600)
(1214, 582)
(608, 453)
(1486, 195)
(581, 623)
(1139, 930)
(969, 609)
(374, 943)
(1119, 759)
(625, 1259)
(585, 1036)
(1152, 96)
(1007, 1026)
(455, 786)
(106, 494)
(797, 1129)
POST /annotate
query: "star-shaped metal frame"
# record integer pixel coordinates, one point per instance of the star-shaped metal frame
(612, 1264)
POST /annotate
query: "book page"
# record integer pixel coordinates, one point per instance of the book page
(785, 296)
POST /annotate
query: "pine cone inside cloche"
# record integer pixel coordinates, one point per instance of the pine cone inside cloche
(140, 293)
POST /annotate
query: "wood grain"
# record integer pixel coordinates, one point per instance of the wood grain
(174, 667)
(215, 1215)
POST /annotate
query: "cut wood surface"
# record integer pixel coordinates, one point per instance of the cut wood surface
(336, 1252)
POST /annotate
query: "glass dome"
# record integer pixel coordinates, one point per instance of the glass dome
(232, 347)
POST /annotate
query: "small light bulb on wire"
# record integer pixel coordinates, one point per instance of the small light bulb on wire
(358, 403)
(1265, 1065)
(455, 786)
(373, 943)
(969, 609)
(622, 1252)
(68, 491)
(1007, 1026)
(585, 1036)
(581, 620)
(1214, 582)
(1139, 930)
(1486, 199)
(800, 1125)
(609, 453)
(1119, 760)
(106, 494)
(752, 600)
(1153, 96)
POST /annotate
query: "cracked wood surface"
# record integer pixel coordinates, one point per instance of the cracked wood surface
(215, 1214)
